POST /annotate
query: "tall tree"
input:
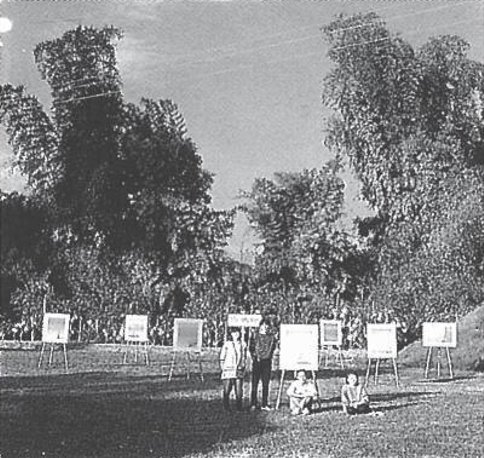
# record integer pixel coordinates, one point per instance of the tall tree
(410, 123)
(121, 181)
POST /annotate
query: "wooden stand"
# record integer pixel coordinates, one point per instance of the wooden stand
(439, 356)
(326, 351)
(136, 346)
(51, 356)
(281, 386)
(377, 367)
(188, 362)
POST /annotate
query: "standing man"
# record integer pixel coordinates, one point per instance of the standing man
(261, 349)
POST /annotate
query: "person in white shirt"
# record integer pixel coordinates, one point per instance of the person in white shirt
(232, 363)
(302, 393)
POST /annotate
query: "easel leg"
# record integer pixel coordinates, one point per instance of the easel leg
(136, 351)
(427, 365)
(326, 357)
(125, 355)
(51, 356)
(147, 354)
(41, 355)
(315, 380)
(377, 366)
(200, 366)
(316, 385)
(449, 360)
(438, 362)
(66, 362)
(341, 358)
(189, 361)
(172, 367)
(367, 378)
(279, 392)
(395, 370)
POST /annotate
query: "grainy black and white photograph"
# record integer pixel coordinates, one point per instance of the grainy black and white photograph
(246, 228)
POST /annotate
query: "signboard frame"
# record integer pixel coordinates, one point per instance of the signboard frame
(379, 348)
(307, 359)
(53, 337)
(62, 334)
(178, 334)
(242, 320)
(323, 333)
(434, 334)
(374, 346)
(136, 328)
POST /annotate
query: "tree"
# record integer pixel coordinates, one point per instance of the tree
(306, 258)
(118, 182)
(410, 123)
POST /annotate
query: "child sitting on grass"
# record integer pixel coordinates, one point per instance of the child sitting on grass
(302, 393)
(354, 397)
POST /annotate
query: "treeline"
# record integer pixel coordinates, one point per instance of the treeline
(118, 218)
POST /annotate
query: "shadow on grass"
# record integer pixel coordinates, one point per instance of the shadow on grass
(109, 382)
(447, 379)
(377, 397)
(125, 423)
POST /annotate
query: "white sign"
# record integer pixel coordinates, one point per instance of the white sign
(136, 328)
(331, 333)
(439, 335)
(382, 340)
(240, 320)
(55, 328)
(187, 334)
(299, 347)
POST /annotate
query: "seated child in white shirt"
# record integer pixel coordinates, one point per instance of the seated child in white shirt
(354, 397)
(302, 393)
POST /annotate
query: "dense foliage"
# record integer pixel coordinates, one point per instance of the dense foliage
(410, 124)
(118, 215)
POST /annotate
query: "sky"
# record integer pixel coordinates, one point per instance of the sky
(247, 75)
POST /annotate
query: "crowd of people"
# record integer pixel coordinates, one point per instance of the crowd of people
(302, 393)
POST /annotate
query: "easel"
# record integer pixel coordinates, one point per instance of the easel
(439, 356)
(188, 363)
(51, 356)
(377, 367)
(281, 386)
(137, 346)
(327, 350)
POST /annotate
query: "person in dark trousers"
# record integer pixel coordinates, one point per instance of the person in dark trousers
(261, 349)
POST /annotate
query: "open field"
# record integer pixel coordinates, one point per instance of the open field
(105, 409)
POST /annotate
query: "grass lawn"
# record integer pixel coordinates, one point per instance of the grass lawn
(105, 409)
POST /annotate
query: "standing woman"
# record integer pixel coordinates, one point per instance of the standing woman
(232, 364)
(261, 349)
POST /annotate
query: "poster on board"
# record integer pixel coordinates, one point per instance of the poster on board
(331, 333)
(382, 340)
(55, 328)
(136, 328)
(299, 347)
(187, 334)
(241, 320)
(439, 335)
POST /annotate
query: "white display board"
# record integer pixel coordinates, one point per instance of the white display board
(331, 333)
(55, 328)
(187, 334)
(136, 328)
(382, 340)
(240, 320)
(439, 335)
(299, 347)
